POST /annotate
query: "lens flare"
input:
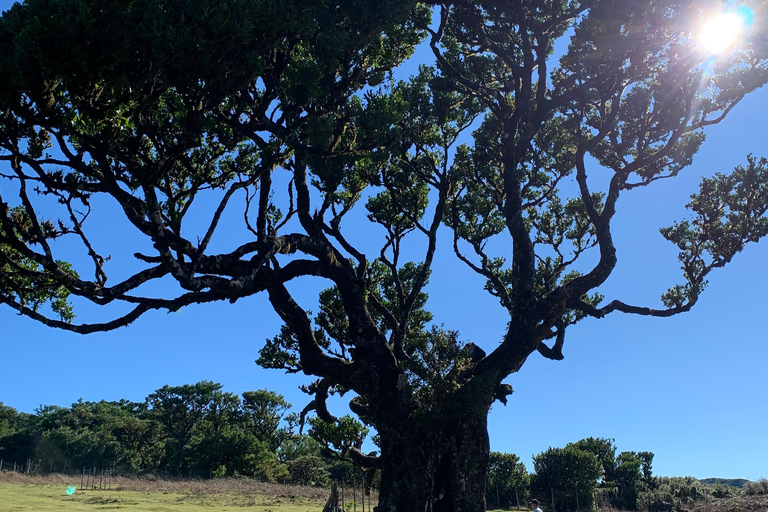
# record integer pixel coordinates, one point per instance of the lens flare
(719, 33)
(746, 14)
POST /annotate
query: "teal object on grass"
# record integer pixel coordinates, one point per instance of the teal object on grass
(71, 490)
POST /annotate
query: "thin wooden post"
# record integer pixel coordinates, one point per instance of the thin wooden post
(577, 500)
(82, 476)
(552, 495)
(498, 501)
(64, 470)
(517, 499)
(342, 494)
(14, 466)
(1, 463)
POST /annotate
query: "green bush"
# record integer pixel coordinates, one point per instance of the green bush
(758, 488)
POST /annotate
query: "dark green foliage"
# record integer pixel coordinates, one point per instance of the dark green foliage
(177, 430)
(569, 469)
(263, 411)
(8, 419)
(730, 482)
(187, 413)
(24, 279)
(759, 487)
(308, 470)
(341, 436)
(729, 211)
(605, 452)
(508, 481)
(619, 479)
(628, 477)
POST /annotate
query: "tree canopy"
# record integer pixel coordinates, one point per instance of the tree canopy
(179, 430)
(175, 110)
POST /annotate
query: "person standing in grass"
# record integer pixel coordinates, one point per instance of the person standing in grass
(534, 505)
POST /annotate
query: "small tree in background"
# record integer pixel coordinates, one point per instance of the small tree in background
(568, 469)
(605, 452)
(508, 480)
(628, 480)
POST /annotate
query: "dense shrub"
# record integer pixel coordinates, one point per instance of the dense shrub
(758, 488)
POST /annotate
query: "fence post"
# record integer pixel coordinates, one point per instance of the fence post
(1, 463)
(517, 499)
(552, 495)
(82, 477)
(14, 466)
(577, 500)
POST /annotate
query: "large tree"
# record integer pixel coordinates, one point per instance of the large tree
(174, 110)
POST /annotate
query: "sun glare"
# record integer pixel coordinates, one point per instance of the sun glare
(720, 32)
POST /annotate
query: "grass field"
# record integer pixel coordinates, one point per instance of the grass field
(24, 493)
(21, 493)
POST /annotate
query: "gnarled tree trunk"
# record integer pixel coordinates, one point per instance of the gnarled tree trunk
(436, 461)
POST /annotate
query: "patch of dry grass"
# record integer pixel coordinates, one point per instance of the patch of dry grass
(32, 493)
(733, 504)
(196, 487)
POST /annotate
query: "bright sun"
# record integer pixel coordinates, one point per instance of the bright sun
(721, 31)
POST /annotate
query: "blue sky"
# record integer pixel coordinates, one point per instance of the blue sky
(692, 388)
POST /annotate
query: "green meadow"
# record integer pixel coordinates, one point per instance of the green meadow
(27, 493)
(54, 498)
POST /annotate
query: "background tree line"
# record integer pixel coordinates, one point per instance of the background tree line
(590, 468)
(196, 430)
(594, 470)
(202, 431)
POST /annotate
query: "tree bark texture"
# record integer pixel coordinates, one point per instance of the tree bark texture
(436, 462)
